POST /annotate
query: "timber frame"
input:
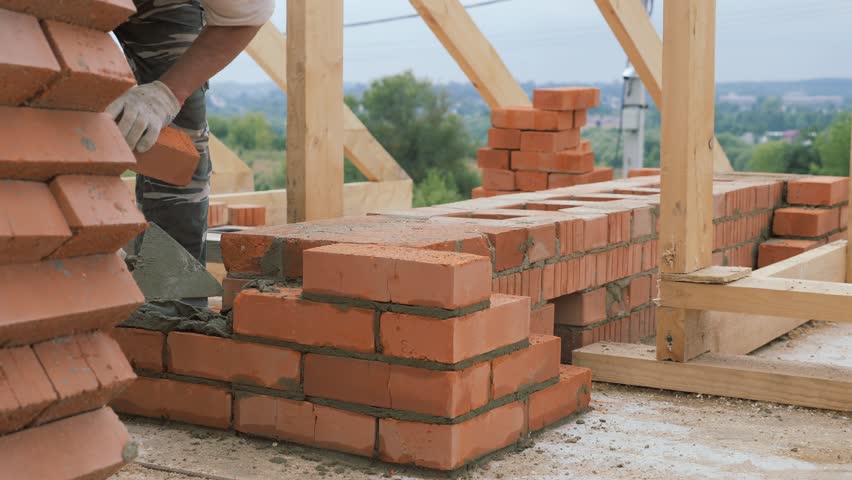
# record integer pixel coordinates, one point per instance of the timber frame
(709, 318)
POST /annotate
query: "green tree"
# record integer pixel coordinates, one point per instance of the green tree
(833, 147)
(412, 120)
(737, 149)
(782, 157)
(249, 132)
(437, 188)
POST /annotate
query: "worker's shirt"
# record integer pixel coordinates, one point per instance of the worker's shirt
(238, 13)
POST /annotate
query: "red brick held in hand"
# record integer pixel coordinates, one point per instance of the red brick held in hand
(143, 348)
(101, 212)
(27, 63)
(566, 98)
(535, 364)
(493, 179)
(103, 15)
(570, 395)
(235, 361)
(401, 275)
(79, 142)
(31, 224)
(246, 215)
(179, 401)
(804, 222)
(25, 390)
(94, 70)
(777, 249)
(456, 339)
(173, 159)
(504, 138)
(92, 445)
(818, 191)
(550, 142)
(85, 293)
(492, 158)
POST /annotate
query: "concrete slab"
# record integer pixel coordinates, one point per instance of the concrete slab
(630, 433)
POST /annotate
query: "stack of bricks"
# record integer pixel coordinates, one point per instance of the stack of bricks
(64, 212)
(536, 148)
(238, 215)
(390, 352)
(817, 213)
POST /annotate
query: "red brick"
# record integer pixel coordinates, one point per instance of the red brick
(80, 142)
(542, 319)
(400, 275)
(448, 447)
(565, 161)
(581, 309)
(571, 394)
(601, 174)
(234, 361)
(456, 339)
(504, 138)
(179, 401)
(103, 15)
(493, 179)
(643, 172)
(246, 215)
(843, 216)
(493, 158)
(548, 282)
(619, 226)
(274, 417)
(446, 394)
(217, 214)
(778, 249)
(479, 192)
(31, 224)
(640, 291)
(804, 222)
(25, 390)
(643, 222)
(527, 181)
(581, 118)
(566, 98)
(94, 70)
(101, 212)
(528, 118)
(536, 364)
(85, 293)
(347, 379)
(86, 371)
(173, 159)
(818, 191)
(93, 445)
(550, 142)
(30, 64)
(560, 180)
(594, 233)
(344, 431)
(284, 316)
(143, 348)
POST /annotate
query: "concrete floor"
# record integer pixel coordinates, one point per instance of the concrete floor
(630, 433)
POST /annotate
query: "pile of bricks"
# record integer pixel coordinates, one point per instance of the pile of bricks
(539, 147)
(64, 213)
(817, 214)
(240, 215)
(390, 352)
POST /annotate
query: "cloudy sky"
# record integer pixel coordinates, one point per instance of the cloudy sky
(568, 40)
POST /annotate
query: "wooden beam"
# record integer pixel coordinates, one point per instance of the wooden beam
(738, 376)
(713, 274)
(230, 173)
(314, 116)
(686, 146)
(682, 337)
(269, 50)
(359, 198)
(457, 31)
(805, 299)
(631, 25)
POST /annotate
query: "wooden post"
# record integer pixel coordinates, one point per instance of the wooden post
(687, 143)
(314, 113)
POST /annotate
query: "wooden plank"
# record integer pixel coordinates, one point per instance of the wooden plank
(314, 116)
(714, 274)
(738, 376)
(269, 50)
(736, 333)
(359, 198)
(805, 299)
(631, 25)
(230, 173)
(686, 192)
(457, 31)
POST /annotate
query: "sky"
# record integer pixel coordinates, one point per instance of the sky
(568, 40)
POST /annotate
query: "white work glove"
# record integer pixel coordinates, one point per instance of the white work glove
(144, 111)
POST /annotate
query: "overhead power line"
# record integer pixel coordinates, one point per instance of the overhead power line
(397, 18)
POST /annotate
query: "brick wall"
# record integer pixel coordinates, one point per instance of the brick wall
(64, 213)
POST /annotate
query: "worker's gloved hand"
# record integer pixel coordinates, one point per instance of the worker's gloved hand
(142, 112)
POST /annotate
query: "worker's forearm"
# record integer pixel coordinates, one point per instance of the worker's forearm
(212, 51)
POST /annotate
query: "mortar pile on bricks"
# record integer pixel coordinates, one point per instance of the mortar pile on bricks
(539, 147)
(64, 213)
